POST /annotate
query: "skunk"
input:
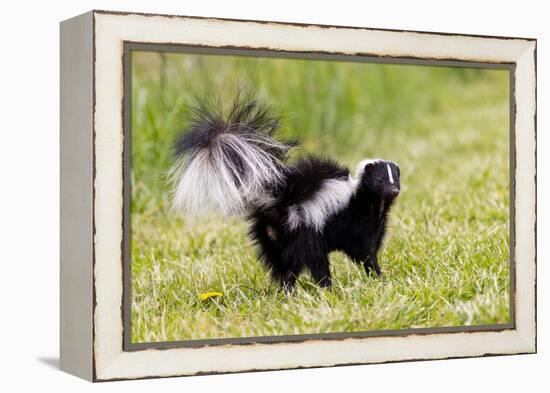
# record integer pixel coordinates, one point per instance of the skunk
(298, 213)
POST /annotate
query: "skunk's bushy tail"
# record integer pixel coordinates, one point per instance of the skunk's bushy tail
(226, 160)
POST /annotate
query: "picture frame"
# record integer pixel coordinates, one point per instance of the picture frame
(94, 267)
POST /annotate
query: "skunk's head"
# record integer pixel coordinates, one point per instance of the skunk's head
(379, 177)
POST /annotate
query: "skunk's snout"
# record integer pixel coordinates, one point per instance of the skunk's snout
(393, 192)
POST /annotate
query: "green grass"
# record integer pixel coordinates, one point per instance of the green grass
(446, 257)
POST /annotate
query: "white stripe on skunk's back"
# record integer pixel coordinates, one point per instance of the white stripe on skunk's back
(333, 196)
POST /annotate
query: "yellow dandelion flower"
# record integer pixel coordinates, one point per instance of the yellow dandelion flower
(208, 295)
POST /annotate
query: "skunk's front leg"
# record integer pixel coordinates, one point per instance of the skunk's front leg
(371, 263)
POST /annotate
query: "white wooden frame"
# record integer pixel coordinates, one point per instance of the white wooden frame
(92, 142)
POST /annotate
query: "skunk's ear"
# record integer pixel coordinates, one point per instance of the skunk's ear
(365, 167)
(369, 167)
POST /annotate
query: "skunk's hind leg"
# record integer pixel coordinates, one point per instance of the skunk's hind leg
(308, 249)
(320, 269)
(272, 244)
(288, 281)
(270, 255)
(285, 271)
(288, 270)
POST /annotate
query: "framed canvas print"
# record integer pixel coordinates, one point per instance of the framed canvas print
(244, 195)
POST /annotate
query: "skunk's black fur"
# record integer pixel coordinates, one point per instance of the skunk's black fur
(298, 213)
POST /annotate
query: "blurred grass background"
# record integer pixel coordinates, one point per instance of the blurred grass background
(446, 256)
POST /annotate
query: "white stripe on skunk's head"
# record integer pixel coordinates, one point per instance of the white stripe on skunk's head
(379, 177)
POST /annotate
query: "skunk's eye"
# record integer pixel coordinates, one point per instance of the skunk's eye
(380, 179)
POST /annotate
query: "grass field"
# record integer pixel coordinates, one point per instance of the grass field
(445, 260)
